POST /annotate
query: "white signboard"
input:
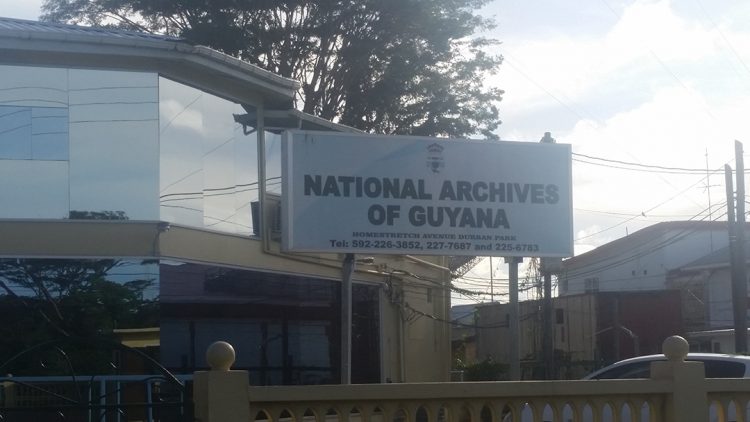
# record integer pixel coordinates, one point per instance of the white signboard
(372, 194)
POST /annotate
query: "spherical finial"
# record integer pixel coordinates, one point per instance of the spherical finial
(220, 356)
(675, 348)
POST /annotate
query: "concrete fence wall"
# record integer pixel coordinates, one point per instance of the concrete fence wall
(677, 392)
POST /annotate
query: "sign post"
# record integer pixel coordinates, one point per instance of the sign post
(347, 271)
(514, 348)
(356, 193)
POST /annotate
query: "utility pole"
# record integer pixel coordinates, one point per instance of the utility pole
(492, 283)
(710, 205)
(739, 285)
(514, 337)
(739, 303)
(547, 328)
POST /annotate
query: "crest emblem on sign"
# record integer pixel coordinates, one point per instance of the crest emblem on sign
(435, 161)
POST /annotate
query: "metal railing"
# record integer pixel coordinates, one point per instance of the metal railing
(116, 398)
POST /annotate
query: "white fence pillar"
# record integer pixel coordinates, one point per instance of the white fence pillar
(221, 395)
(689, 399)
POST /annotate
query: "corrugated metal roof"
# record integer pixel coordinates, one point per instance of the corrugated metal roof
(64, 29)
(97, 46)
(640, 237)
(717, 259)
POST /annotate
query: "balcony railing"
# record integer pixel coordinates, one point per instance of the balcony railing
(676, 392)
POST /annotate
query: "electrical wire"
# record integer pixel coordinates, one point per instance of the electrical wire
(646, 168)
(640, 252)
(643, 213)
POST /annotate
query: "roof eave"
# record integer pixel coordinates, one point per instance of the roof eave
(173, 59)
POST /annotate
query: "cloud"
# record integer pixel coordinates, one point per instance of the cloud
(649, 28)
(673, 129)
(647, 45)
(21, 9)
(666, 84)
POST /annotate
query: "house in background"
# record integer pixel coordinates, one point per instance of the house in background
(623, 298)
(688, 257)
(706, 288)
(590, 330)
(134, 160)
(463, 334)
(643, 259)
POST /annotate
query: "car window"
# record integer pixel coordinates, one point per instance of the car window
(724, 369)
(627, 371)
(714, 369)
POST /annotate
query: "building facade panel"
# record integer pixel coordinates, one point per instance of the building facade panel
(32, 86)
(34, 189)
(208, 163)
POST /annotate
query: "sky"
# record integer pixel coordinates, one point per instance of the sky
(650, 82)
(630, 84)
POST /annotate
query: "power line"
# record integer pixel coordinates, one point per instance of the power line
(643, 213)
(629, 214)
(646, 167)
(663, 243)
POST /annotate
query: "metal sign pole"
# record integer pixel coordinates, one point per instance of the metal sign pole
(514, 338)
(347, 270)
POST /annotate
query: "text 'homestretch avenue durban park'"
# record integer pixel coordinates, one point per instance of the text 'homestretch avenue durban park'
(488, 215)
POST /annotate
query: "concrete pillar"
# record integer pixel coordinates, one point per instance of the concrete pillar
(221, 395)
(689, 399)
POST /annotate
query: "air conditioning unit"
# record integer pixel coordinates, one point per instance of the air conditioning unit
(272, 214)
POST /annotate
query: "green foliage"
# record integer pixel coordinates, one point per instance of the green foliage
(486, 370)
(386, 66)
(73, 303)
(97, 215)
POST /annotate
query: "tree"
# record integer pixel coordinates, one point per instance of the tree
(73, 303)
(387, 66)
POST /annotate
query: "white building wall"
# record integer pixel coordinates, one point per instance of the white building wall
(719, 299)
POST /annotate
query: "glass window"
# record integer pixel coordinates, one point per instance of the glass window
(563, 285)
(49, 133)
(33, 133)
(26, 86)
(39, 189)
(365, 334)
(559, 316)
(714, 369)
(114, 143)
(591, 284)
(208, 171)
(93, 300)
(627, 371)
(724, 369)
(273, 163)
(287, 328)
(100, 128)
(15, 132)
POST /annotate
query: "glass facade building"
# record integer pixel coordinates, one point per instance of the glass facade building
(103, 144)
(130, 197)
(121, 145)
